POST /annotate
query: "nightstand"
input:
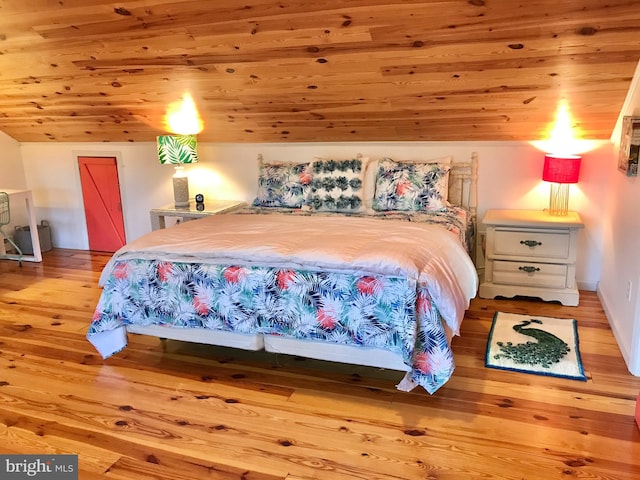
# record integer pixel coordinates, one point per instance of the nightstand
(211, 207)
(531, 253)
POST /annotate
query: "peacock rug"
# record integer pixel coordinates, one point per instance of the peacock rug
(534, 344)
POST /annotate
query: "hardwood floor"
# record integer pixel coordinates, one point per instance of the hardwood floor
(196, 412)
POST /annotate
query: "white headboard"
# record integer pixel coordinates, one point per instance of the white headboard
(463, 184)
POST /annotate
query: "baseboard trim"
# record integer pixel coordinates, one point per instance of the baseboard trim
(588, 286)
(625, 348)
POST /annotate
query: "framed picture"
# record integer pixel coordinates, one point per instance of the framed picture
(629, 146)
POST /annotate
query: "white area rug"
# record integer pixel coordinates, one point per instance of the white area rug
(534, 344)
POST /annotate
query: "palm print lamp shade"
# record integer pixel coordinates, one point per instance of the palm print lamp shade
(178, 150)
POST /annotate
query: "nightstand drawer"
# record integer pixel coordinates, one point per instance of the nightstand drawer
(531, 243)
(530, 274)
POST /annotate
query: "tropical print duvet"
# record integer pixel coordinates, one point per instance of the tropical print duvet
(391, 283)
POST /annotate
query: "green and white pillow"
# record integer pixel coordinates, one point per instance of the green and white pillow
(337, 185)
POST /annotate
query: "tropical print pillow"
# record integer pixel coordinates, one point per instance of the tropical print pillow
(283, 184)
(337, 185)
(411, 186)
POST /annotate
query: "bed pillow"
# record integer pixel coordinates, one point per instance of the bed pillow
(411, 186)
(337, 185)
(371, 175)
(283, 185)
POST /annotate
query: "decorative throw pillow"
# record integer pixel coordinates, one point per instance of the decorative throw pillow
(283, 184)
(411, 186)
(337, 185)
(372, 173)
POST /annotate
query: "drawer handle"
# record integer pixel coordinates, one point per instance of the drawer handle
(530, 243)
(529, 269)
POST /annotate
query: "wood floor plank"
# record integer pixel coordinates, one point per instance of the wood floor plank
(165, 469)
(180, 411)
(18, 440)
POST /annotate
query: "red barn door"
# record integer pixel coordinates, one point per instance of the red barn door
(102, 203)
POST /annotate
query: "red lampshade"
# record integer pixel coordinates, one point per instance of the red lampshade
(561, 169)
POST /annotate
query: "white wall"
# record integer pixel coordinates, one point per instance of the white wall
(53, 176)
(621, 256)
(621, 264)
(509, 177)
(12, 177)
(11, 170)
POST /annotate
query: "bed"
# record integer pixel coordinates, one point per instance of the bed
(355, 260)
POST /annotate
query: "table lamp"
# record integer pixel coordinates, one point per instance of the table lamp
(178, 150)
(560, 170)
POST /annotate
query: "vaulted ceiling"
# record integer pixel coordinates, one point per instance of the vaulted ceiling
(321, 70)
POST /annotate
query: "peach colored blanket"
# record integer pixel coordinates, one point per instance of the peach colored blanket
(427, 253)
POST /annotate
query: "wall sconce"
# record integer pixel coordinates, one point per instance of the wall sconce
(560, 170)
(178, 150)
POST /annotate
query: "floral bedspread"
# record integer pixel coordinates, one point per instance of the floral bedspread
(372, 311)
(148, 283)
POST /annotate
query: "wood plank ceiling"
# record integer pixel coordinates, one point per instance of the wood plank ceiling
(323, 70)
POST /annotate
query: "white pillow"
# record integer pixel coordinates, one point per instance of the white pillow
(337, 185)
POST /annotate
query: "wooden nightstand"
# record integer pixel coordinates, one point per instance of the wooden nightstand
(211, 207)
(531, 253)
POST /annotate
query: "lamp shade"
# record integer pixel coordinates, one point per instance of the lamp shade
(561, 169)
(177, 149)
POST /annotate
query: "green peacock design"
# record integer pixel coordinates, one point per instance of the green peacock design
(547, 350)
